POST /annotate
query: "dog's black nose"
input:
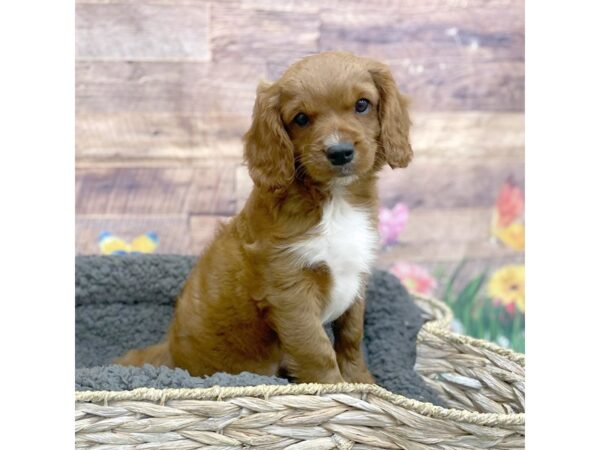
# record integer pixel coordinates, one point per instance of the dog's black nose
(340, 154)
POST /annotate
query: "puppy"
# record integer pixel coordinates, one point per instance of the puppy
(299, 254)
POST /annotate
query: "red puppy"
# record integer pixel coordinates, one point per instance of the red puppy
(299, 254)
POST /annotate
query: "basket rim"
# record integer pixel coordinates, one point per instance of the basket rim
(436, 327)
(443, 322)
(433, 328)
(440, 328)
(266, 391)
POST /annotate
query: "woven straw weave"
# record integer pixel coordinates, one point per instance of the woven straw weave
(482, 383)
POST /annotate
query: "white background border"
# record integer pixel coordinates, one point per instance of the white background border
(37, 223)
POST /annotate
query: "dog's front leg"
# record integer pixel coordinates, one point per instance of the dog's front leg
(308, 354)
(348, 333)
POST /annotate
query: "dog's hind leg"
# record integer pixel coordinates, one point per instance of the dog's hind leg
(156, 355)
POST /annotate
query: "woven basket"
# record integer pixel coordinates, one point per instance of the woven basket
(482, 383)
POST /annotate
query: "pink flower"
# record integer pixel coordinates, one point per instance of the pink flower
(511, 308)
(415, 278)
(392, 222)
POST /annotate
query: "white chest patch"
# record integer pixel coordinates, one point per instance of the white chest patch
(346, 241)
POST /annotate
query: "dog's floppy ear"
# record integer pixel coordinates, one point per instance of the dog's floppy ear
(393, 117)
(268, 149)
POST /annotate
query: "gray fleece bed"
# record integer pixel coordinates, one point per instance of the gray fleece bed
(126, 301)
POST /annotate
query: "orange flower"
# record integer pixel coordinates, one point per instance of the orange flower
(509, 204)
(507, 220)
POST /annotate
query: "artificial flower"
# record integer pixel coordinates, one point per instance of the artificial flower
(509, 204)
(507, 220)
(415, 278)
(513, 235)
(392, 222)
(507, 287)
(113, 245)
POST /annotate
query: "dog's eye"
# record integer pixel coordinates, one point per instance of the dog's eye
(301, 120)
(362, 106)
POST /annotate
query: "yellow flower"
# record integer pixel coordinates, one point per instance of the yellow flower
(512, 235)
(145, 243)
(113, 245)
(507, 286)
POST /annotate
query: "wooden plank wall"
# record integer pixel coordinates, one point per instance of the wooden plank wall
(164, 91)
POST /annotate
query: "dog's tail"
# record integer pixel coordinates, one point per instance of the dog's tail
(156, 355)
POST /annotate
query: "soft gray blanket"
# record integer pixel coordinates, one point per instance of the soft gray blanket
(124, 302)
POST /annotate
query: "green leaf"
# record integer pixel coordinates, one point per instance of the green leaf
(518, 325)
(518, 338)
(467, 296)
(493, 318)
(450, 284)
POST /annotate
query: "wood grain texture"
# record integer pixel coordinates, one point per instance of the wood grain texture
(165, 90)
(469, 135)
(457, 85)
(142, 31)
(317, 5)
(139, 108)
(440, 56)
(176, 87)
(444, 251)
(490, 31)
(431, 184)
(447, 184)
(149, 2)
(150, 190)
(448, 224)
(146, 136)
(158, 136)
(245, 33)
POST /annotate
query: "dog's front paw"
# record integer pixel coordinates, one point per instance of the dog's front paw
(332, 379)
(358, 375)
(356, 371)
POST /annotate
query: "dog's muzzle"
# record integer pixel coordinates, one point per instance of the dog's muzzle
(340, 154)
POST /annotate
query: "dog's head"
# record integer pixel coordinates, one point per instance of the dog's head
(330, 117)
